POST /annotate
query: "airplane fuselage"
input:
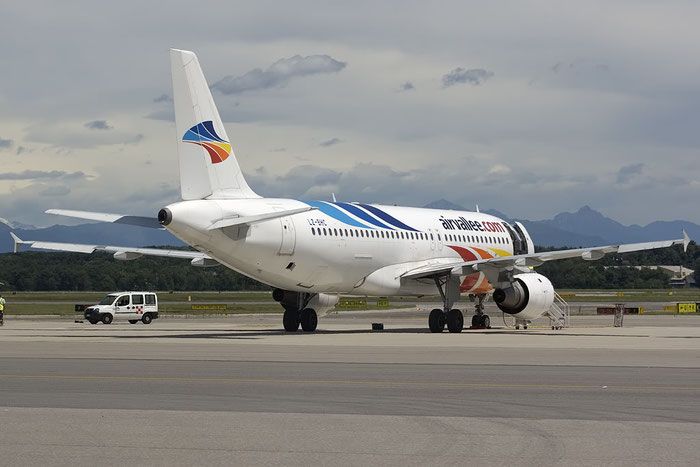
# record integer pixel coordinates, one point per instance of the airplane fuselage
(347, 248)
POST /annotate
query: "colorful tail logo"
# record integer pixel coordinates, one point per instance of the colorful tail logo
(203, 134)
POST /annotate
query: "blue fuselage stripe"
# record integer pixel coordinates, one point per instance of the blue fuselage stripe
(335, 213)
(386, 217)
(362, 215)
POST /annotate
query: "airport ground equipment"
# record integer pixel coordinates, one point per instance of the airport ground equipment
(127, 306)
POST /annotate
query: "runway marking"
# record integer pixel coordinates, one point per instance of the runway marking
(356, 382)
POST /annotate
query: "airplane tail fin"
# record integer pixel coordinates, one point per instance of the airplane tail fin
(208, 167)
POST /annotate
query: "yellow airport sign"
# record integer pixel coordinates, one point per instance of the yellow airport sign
(221, 306)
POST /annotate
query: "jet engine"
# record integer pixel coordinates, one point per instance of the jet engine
(529, 296)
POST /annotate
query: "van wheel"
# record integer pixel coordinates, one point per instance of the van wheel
(147, 319)
(93, 321)
(133, 321)
(107, 319)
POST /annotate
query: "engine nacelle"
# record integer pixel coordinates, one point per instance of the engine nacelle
(529, 296)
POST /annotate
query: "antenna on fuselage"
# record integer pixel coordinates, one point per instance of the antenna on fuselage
(333, 195)
(477, 208)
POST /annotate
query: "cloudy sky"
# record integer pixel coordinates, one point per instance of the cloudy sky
(531, 108)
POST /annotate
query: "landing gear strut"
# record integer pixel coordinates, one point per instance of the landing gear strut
(480, 319)
(448, 286)
(295, 310)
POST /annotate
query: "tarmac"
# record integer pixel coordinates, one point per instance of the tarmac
(238, 390)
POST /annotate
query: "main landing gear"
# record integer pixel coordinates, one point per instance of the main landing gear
(295, 310)
(448, 286)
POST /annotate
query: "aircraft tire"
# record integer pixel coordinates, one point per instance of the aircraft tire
(309, 320)
(436, 320)
(455, 321)
(486, 321)
(290, 320)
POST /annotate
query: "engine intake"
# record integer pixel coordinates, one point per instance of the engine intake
(529, 296)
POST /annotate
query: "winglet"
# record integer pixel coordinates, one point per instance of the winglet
(686, 240)
(18, 242)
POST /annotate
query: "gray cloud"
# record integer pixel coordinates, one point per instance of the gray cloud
(5, 143)
(475, 76)
(407, 86)
(278, 74)
(628, 172)
(98, 125)
(331, 142)
(40, 174)
(56, 190)
(163, 98)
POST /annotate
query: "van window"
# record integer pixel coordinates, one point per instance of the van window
(137, 299)
(123, 300)
(150, 299)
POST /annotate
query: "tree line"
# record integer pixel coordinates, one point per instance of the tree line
(37, 271)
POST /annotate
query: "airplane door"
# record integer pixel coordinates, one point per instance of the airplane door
(432, 239)
(289, 238)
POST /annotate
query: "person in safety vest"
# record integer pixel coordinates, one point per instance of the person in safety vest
(2, 309)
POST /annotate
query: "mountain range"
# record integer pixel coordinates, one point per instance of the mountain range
(585, 227)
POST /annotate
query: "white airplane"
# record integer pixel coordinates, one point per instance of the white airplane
(309, 252)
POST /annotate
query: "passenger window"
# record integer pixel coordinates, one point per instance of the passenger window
(123, 300)
(346, 232)
(313, 231)
(324, 231)
(137, 299)
(439, 239)
(150, 299)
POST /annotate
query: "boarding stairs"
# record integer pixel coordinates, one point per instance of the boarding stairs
(558, 313)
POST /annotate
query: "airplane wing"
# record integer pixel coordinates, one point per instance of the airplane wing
(536, 259)
(120, 252)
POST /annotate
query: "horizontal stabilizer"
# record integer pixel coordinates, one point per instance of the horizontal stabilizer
(140, 221)
(229, 222)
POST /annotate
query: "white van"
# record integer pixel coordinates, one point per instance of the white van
(131, 306)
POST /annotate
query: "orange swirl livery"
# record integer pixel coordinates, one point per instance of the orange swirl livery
(203, 134)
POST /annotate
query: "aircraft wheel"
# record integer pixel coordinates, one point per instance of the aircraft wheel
(107, 318)
(455, 321)
(486, 321)
(309, 320)
(290, 320)
(476, 321)
(436, 320)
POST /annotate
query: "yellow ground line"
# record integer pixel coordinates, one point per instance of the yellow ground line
(357, 382)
